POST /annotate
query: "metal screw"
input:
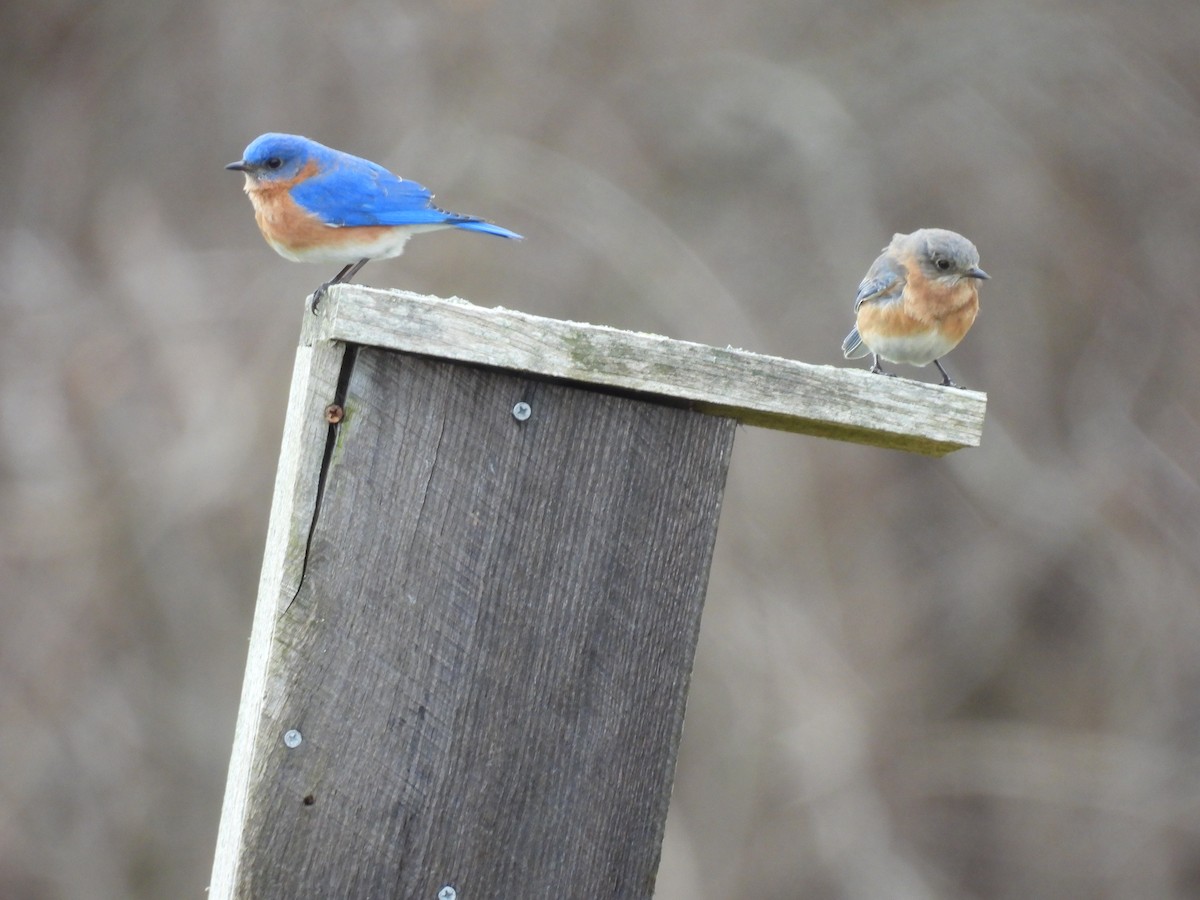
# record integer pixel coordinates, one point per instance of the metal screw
(334, 413)
(447, 893)
(292, 738)
(522, 411)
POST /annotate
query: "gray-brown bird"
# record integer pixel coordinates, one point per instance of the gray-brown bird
(917, 300)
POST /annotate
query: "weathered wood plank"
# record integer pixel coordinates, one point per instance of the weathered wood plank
(842, 403)
(487, 660)
(314, 381)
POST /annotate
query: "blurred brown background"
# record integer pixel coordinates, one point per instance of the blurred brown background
(972, 677)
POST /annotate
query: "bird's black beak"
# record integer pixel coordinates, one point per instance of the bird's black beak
(973, 272)
(241, 166)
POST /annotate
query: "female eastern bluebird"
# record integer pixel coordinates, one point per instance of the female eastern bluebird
(917, 300)
(316, 204)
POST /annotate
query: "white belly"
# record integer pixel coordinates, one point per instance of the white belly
(913, 349)
(351, 248)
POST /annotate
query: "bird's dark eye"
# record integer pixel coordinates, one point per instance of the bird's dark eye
(943, 264)
(274, 162)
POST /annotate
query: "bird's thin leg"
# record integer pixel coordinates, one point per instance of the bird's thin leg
(348, 272)
(876, 368)
(945, 375)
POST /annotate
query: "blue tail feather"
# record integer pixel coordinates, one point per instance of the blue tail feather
(852, 346)
(485, 228)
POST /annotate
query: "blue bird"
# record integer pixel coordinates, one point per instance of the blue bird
(316, 204)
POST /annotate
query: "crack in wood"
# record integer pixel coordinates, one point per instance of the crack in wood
(339, 398)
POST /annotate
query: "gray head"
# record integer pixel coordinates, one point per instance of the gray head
(941, 254)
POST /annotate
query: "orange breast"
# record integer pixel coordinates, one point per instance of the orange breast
(926, 305)
(931, 300)
(927, 321)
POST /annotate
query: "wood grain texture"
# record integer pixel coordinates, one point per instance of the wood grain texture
(314, 380)
(842, 403)
(488, 656)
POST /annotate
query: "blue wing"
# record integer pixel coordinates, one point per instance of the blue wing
(353, 191)
(884, 281)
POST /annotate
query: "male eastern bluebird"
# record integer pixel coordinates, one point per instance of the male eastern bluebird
(917, 300)
(316, 204)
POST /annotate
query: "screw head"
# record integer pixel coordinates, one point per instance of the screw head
(447, 893)
(522, 411)
(292, 738)
(334, 413)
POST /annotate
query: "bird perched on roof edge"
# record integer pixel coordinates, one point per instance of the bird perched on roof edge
(917, 300)
(316, 204)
